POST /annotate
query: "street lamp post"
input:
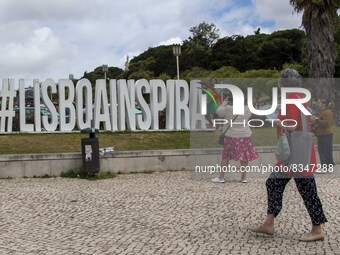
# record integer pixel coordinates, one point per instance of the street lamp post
(177, 52)
(105, 69)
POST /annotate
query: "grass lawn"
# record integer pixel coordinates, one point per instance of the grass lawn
(125, 141)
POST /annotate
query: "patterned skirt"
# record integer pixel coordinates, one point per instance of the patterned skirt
(238, 149)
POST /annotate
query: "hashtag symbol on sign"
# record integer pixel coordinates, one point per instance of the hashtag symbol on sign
(7, 95)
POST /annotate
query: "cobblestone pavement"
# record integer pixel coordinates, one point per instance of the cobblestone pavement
(159, 213)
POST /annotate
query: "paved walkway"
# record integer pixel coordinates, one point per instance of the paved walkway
(159, 213)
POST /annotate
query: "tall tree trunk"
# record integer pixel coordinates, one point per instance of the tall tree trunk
(321, 51)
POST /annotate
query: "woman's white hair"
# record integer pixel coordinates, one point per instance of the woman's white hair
(290, 78)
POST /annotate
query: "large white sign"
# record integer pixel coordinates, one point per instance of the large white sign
(111, 107)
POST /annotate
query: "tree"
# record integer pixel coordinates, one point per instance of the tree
(319, 20)
(158, 60)
(141, 68)
(195, 73)
(261, 81)
(196, 50)
(274, 53)
(225, 72)
(337, 42)
(236, 51)
(204, 34)
(97, 73)
(296, 39)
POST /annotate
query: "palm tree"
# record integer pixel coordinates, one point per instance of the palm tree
(319, 20)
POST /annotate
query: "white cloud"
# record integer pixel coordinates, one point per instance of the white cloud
(42, 52)
(51, 39)
(175, 40)
(280, 11)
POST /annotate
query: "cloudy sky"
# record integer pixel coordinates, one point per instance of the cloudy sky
(54, 38)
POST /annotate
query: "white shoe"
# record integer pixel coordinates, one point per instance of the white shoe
(218, 180)
(243, 180)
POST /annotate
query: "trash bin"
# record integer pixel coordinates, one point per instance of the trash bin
(90, 151)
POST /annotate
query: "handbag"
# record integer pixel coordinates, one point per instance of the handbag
(282, 151)
(300, 143)
(221, 137)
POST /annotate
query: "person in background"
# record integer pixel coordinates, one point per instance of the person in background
(238, 144)
(305, 181)
(324, 132)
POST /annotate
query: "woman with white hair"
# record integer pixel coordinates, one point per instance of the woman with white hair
(305, 181)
